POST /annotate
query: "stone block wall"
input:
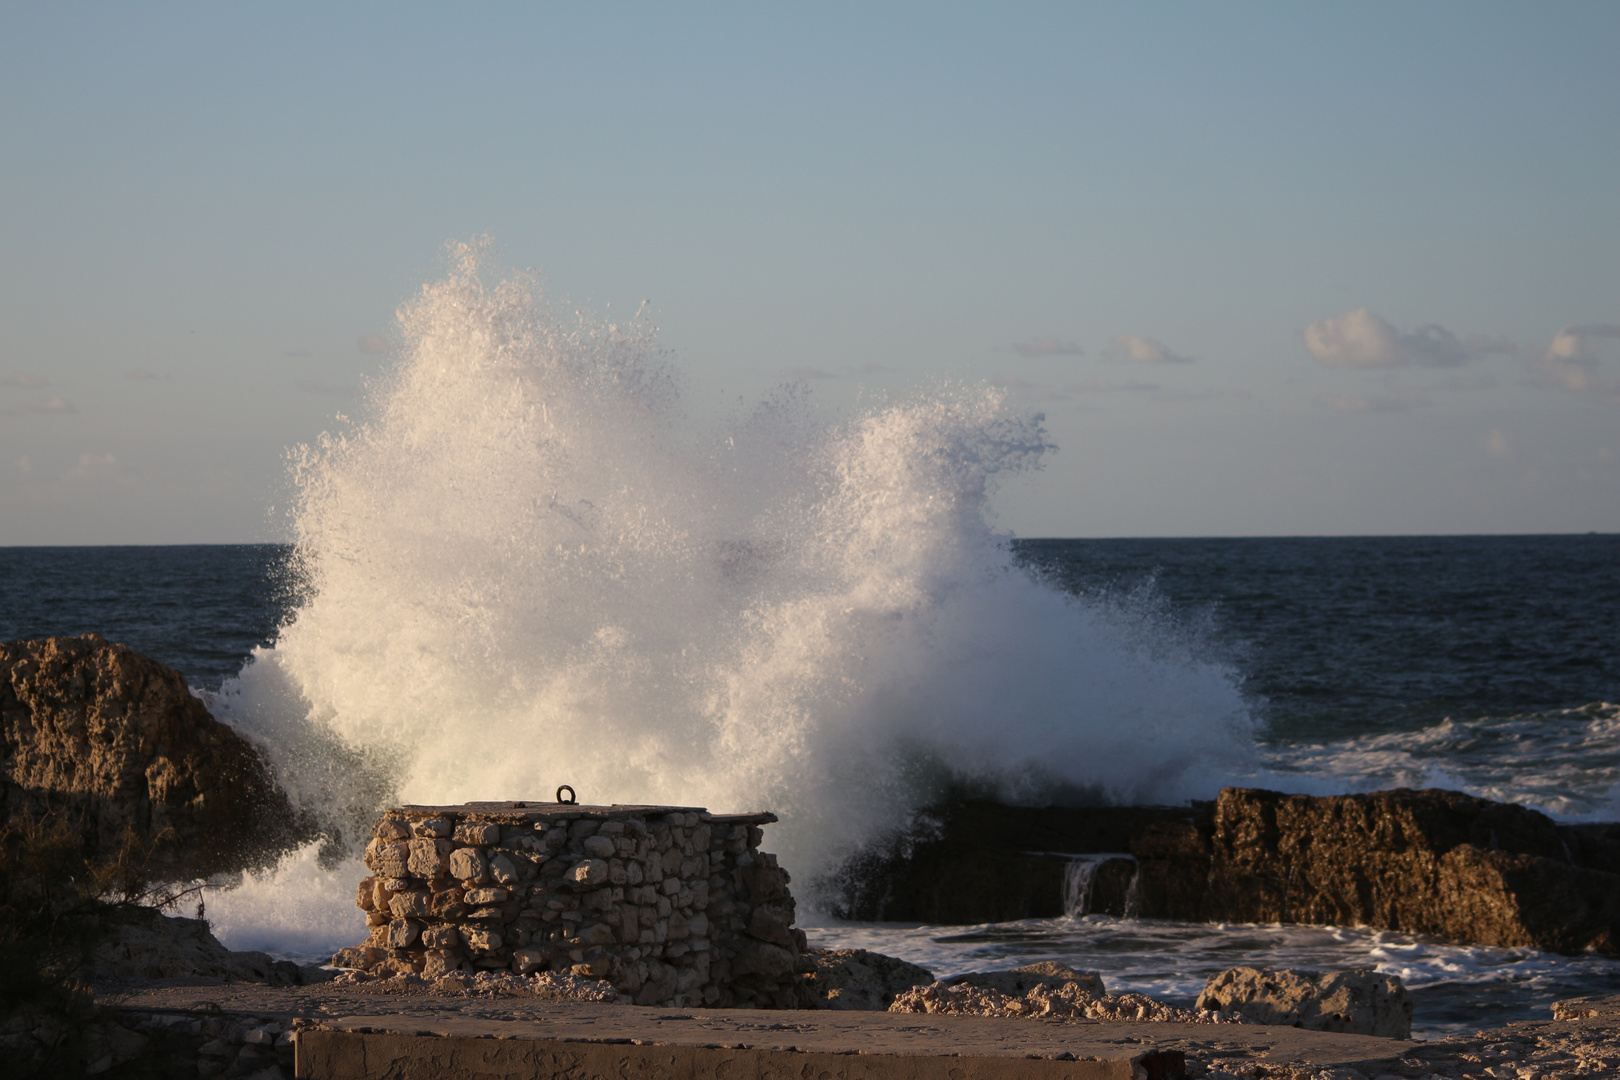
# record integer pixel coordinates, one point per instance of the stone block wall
(672, 905)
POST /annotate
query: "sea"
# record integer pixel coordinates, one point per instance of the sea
(1487, 664)
(533, 556)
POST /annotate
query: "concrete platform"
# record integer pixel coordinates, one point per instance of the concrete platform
(347, 1034)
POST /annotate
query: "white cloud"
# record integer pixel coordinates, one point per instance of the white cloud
(371, 343)
(1130, 349)
(807, 373)
(23, 378)
(54, 404)
(1397, 400)
(1047, 346)
(1362, 339)
(1572, 358)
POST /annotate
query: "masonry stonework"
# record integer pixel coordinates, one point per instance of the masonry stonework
(671, 905)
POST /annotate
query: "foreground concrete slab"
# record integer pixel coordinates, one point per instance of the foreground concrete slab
(346, 1034)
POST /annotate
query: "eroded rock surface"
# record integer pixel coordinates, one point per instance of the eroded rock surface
(118, 745)
(1429, 862)
(858, 979)
(1357, 1002)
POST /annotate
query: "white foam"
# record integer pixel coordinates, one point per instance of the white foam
(300, 910)
(527, 568)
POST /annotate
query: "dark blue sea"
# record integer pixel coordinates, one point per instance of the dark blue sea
(1489, 664)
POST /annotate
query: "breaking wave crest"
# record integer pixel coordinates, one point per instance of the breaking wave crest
(526, 567)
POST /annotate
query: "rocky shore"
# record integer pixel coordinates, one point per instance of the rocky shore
(114, 748)
(1428, 862)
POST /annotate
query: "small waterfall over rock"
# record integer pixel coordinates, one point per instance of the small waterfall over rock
(1080, 881)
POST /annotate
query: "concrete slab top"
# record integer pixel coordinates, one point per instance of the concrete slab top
(910, 1035)
(515, 811)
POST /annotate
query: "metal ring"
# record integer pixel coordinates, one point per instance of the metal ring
(572, 799)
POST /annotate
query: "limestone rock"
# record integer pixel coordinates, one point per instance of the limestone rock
(858, 979)
(117, 742)
(1429, 862)
(468, 864)
(1356, 1002)
(1020, 981)
(1063, 1001)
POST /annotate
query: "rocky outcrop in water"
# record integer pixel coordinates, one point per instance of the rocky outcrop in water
(118, 745)
(1355, 1002)
(1431, 862)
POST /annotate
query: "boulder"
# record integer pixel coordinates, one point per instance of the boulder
(1355, 1002)
(118, 745)
(858, 979)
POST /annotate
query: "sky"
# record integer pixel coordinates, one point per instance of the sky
(1266, 269)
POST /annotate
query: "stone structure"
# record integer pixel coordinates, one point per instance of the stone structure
(672, 905)
(119, 746)
(1429, 862)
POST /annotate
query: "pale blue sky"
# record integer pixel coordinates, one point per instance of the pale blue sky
(225, 198)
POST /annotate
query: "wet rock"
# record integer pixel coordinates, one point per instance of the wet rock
(118, 744)
(1430, 862)
(1356, 1002)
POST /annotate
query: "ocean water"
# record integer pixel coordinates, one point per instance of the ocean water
(1332, 638)
(526, 565)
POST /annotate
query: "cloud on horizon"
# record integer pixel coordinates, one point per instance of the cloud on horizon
(1571, 362)
(1361, 339)
(1131, 349)
(23, 378)
(1047, 346)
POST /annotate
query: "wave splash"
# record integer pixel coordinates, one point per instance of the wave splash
(527, 567)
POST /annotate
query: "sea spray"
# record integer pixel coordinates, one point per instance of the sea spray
(524, 566)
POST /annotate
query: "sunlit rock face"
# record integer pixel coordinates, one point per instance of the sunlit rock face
(118, 746)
